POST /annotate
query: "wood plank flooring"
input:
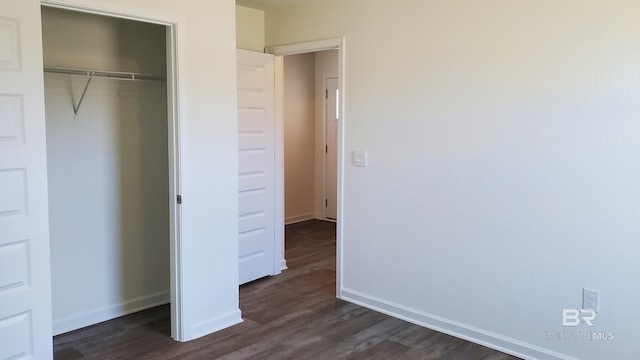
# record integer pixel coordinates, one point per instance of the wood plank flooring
(291, 316)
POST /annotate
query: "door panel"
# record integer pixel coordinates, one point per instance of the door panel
(256, 165)
(331, 160)
(25, 279)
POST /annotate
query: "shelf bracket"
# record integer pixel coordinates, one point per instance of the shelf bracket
(76, 108)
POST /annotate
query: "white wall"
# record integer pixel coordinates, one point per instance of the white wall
(249, 29)
(326, 67)
(299, 133)
(108, 172)
(502, 178)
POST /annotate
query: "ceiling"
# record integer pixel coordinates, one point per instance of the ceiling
(265, 4)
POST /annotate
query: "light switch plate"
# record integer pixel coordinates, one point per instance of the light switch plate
(359, 158)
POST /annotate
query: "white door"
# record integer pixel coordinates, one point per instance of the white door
(331, 149)
(256, 165)
(25, 279)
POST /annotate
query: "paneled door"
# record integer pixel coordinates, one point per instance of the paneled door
(25, 279)
(256, 165)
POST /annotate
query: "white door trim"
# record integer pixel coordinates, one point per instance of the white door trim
(306, 47)
(279, 256)
(314, 46)
(177, 113)
(325, 139)
(324, 143)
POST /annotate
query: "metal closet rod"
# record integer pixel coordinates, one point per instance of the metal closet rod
(115, 75)
(90, 74)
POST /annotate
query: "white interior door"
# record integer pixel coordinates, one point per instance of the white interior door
(256, 165)
(331, 156)
(25, 279)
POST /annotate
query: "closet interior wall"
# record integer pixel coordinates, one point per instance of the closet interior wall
(107, 170)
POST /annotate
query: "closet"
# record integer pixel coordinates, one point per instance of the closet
(108, 169)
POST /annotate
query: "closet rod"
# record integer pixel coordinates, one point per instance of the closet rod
(115, 75)
(90, 74)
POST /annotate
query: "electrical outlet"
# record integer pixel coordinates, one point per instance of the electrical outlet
(591, 299)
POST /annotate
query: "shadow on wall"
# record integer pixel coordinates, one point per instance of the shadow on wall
(144, 179)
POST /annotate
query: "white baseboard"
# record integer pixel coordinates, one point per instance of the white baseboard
(298, 218)
(92, 317)
(210, 326)
(453, 328)
(284, 265)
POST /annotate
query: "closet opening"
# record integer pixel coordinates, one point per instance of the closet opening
(112, 166)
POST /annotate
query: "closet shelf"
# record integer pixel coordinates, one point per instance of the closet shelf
(90, 74)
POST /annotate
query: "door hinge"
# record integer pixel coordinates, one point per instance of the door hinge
(326, 93)
(326, 149)
(179, 199)
(326, 202)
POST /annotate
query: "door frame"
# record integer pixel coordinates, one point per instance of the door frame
(307, 47)
(177, 140)
(325, 138)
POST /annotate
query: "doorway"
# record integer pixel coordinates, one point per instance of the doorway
(310, 141)
(335, 44)
(284, 138)
(153, 144)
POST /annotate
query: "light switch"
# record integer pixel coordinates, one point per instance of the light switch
(359, 158)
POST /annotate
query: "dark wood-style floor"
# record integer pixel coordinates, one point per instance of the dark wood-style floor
(291, 316)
